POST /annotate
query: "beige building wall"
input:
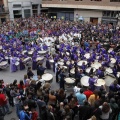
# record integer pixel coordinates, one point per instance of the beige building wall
(86, 14)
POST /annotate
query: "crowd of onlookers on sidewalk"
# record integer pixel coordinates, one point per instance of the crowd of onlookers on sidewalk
(82, 104)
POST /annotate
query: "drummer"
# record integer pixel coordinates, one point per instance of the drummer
(115, 87)
(13, 67)
(34, 62)
(100, 73)
(58, 70)
(48, 65)
(91, 82)
(62, 77)
(29, 72)
(22, 65)
(40, 69)
(83, 67)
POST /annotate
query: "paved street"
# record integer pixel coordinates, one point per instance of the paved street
(9, 77)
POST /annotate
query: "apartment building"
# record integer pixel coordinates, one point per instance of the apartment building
(23, 8)
(4, 13)
(95, 11)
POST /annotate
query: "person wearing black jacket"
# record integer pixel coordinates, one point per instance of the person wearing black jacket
(29, 72)
(84, 111)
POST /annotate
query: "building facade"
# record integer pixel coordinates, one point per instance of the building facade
(4, 13)
(23, 8)
(95, 11)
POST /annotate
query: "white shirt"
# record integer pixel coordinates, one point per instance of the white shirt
(76, 89)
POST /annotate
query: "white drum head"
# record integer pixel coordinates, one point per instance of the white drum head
(113, 60)
(85, 80)
(39, 58)
(61, 60)
(81, 62)
(72, 71)
(30, 52)
(47, 77)
(109, 70)
(65, 67)
(70, 80)
(26, 59)
(42, 52)
(23, 52)
(6, 57)
(88, 69)
(118, 74)
(61, 63)
(100, 82)
(67, 53)
(96, 65)
(17, 63)
(109, 80)
(87, 55)
(110, 50)
(51, 61)
(3, 63)
(68, 62)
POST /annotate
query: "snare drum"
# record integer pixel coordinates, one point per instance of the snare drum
(51, 61)
(100, 82)
(109, 79)
(6, 57)
(47, 77)
(88, 69)
(26, 59)
(30, 52)
(96, 65)
(24, 51)
(81, 62)
(61, 63)
(68, 62)
(67, 53)
(85, 81)
(110, 50)
(118, 74)
(108, 70)
(3, 64)
(113, 61)
(87, 55)
(58, 46)
(72, 71)
(70, 81)
(42, 52)
(17, 63)
(39, 58)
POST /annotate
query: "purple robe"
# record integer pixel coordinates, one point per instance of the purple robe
(13, 67)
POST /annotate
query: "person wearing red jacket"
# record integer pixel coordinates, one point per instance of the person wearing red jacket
(3, 102)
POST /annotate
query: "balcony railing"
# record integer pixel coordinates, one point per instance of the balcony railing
(4, 10)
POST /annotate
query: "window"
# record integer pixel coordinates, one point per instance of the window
(16, 5)
(27, 13)
(114, 0)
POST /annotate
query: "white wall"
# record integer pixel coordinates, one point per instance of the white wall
(26, 4)
(86, 14)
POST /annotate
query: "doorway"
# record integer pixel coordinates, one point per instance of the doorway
(94, 20)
